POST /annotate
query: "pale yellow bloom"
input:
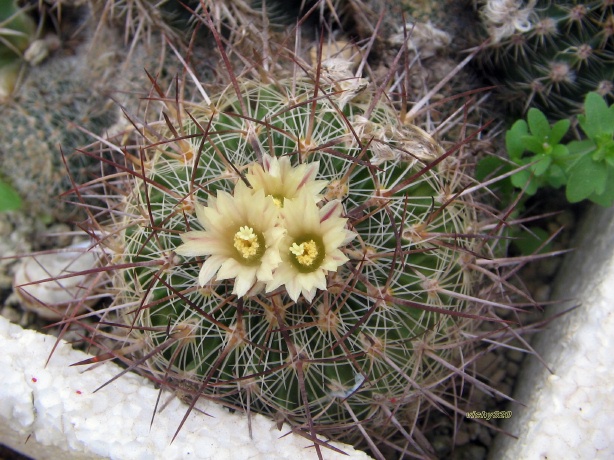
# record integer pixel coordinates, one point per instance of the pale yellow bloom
(240, 237)
(279, 179)
(311, 247)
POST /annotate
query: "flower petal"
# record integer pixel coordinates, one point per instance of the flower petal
(196, 243)
(232, 268)
(331, 209)
(310, 294)
(293, 288)
(243, 283)
(209, 268)
(283, 274)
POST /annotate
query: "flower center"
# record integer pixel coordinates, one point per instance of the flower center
(307, 254)
(246, 243)
(278, 200)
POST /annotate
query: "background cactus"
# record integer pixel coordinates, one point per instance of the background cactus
(71, 99)
(549, 55)
(42, 121)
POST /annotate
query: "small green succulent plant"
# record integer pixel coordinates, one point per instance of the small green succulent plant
(591, 175)
(548, 162)
(584, 167)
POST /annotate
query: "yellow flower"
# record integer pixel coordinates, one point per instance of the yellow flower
(240, 237)
(280, 180)
(311, 247)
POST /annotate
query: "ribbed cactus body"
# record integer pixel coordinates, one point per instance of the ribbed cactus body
(549, 54)
(380, 334)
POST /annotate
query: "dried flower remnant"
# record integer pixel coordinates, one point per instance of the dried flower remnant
(507, 17)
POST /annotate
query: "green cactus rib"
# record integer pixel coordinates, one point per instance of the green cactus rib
(369, 339)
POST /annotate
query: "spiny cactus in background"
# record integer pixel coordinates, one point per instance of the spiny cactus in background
(549, 55)
(144, 21)
(140, 19)
(67, 102)
(292, 247)
(43, 120)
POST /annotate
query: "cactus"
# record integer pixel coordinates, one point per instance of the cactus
(291, 247)
(69, 101)
(42, 121)
(143, 21)
(549, 55)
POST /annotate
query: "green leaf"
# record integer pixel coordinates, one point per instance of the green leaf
(541, 165)
(538, 124)
(605, 200)
(513, 139)
(585, 178)
(559, 152)
(604, 148)
(556, 176)
(525, 180)
(607, 197)
(533, 144)
(9, 199)
(598, 118)
(581, 147)
(559, 129)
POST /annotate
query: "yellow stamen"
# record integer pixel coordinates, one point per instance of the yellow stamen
(306, 253)
(277, 202)
(246, 242)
